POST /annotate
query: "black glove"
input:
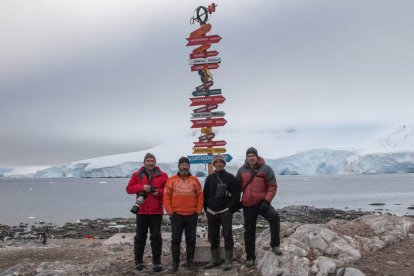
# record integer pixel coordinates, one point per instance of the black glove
(264, 205)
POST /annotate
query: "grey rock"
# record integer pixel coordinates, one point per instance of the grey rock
(349, 271)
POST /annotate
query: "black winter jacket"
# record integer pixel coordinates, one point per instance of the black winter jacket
(214, 192)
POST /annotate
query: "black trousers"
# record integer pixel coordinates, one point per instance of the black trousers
(214, 222)
(188, 224)
(250, 219)
(153, 222)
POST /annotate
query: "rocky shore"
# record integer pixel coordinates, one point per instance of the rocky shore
(314, 242)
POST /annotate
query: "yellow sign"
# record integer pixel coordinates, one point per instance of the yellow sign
(208, 150)
(206, 130)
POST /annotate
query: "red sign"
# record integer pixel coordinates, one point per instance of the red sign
(206, 137)
(204, 66)
(204, 86)
(201, 31)
(207, 100)
(208, 123)
(206, 108)
(202, 48)
(204, 54)
(218, 143)
(203, 39)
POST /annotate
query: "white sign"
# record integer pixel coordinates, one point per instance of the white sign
(208, 114)
(205, 60)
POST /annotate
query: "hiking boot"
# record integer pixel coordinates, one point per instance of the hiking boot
(277, 250)
(157, 268)
(250, 263)
(215, 259)
(228, 259)
(139, 266)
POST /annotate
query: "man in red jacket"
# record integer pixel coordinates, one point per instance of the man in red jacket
(149, 182)
(259, 188)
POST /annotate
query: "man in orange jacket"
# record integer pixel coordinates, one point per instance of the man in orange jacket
(183, 201)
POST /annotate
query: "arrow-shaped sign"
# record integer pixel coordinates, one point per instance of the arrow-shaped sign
(206, 108)
(208, 114)
(202, 48)
(201, 31)
(203, 39)
(208, 122)
(204, 86)
(207, 101)
(208, 150)
(204, 60)
(218, 143)
(201, 159)
(204, 67)
(207, 92)
(204, 54)
(206, 137)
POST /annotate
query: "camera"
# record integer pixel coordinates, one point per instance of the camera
(140, 199)
(138, 202)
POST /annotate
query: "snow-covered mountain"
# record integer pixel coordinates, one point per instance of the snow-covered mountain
(335, 150)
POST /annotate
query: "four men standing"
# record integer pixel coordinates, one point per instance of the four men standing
(184, 199)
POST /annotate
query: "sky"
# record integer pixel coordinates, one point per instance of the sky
(87, 78)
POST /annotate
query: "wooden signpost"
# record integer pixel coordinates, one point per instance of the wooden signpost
(202, 61)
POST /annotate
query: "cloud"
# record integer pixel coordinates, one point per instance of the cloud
(80, 79)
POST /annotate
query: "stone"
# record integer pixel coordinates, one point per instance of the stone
(349, 271)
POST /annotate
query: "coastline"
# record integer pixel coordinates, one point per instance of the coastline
(323, 241)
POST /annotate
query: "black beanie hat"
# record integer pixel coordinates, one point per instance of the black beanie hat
(183, 159)
(252, 150)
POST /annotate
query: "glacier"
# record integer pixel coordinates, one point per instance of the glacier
(290, 151)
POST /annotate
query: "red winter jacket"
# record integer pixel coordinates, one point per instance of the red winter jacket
(152, 204)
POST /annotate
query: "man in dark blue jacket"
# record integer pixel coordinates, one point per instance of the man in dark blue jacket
(221, 199)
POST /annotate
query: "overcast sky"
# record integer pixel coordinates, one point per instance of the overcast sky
(83, 78)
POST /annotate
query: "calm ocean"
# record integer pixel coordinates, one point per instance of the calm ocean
(69, 199)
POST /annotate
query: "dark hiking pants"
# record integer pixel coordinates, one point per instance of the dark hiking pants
(153, 222)
(188, 224)
(214, 222)
(250, 219)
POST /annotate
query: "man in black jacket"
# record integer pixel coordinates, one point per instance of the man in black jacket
(221, 199)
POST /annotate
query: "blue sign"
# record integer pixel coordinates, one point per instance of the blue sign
(202, 159)
(207, 92)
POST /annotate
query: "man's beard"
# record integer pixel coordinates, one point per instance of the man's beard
(184, 171)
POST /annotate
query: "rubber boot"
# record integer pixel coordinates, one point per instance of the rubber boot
(215, 258)
(174, 267)
(228, 259)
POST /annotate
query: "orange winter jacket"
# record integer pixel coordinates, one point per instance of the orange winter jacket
(183, 195)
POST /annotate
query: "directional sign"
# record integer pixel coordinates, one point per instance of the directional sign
(204, 54)
(204, 66)
(205, 108)
(207, 92)
(204, 86)
(204, 60)
(201, 31)
(208, 150)
(208, 114)
(218, 143)
(203, 39)
(206, 137)
(208, 123)
(202, 48)
(207, 100)
(200, 159)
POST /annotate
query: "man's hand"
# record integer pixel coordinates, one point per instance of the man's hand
(264, 205)
(147, 188)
